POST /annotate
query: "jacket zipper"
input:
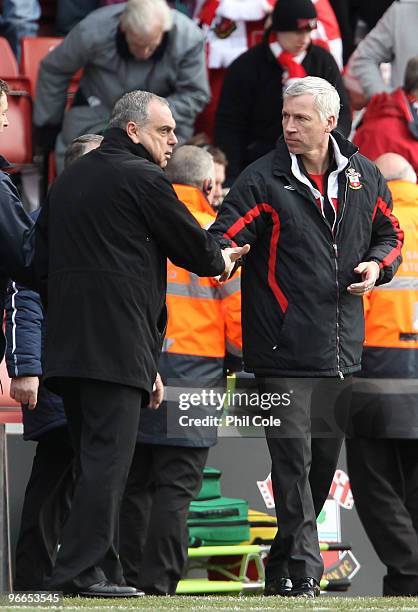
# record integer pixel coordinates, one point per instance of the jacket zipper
(340, 374)
(335, 247)
(335, 251)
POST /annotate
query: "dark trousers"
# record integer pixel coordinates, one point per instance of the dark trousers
(103, 422)
(153, 521)
(384, 481)
(45, 508)
(304, 452)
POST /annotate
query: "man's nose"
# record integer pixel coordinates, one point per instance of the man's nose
(173, 139)
(290, 126)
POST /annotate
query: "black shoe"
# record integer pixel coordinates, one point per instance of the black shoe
(281, 586)
(108, 589)
(305, 587)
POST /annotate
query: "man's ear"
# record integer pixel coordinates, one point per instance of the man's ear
(207, 186)
(132, 131)
(331, 124)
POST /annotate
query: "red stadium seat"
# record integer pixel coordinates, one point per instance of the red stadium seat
(8, 64)
(33, 51)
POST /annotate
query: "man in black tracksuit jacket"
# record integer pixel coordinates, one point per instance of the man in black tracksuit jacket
(315, 222)
(248, 115)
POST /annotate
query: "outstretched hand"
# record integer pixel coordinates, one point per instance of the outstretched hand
(231, 255)
(370, 272)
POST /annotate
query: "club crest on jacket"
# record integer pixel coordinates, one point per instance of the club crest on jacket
(353, 178)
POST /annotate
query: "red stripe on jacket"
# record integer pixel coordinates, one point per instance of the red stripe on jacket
(275, 235)
(384, 208)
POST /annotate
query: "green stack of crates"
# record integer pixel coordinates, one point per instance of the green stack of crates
(215, 520)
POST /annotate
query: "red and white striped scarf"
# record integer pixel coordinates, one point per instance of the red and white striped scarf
(291, 64)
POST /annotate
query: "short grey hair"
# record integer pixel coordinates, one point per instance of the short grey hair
(79, 146)
(326, 99)
(133, 106)
(190, 165)
(140, 15)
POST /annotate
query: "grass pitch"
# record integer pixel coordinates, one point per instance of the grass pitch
(229, 604)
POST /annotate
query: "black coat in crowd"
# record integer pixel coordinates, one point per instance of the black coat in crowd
(110, 221)
(249, 114)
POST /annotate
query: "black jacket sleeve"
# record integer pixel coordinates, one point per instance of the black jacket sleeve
(177, 232)
(244, 213)
(24, 318)
(387, 236)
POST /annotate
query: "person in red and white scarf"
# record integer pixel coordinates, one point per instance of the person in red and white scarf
(232, 27)
(248, 119)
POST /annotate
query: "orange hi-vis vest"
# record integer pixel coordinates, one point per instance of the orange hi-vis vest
(204, 316)
(391, 310)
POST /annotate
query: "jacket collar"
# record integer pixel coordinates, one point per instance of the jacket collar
(124, 52)
(116, 138)
(193, 199)
(282, 160)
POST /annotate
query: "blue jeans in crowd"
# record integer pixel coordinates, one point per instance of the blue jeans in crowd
(19, 18)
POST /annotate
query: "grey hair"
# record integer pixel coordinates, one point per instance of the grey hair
(326, 99)
(190, 165)
(140, 15)
(79, 146)
(133, 106)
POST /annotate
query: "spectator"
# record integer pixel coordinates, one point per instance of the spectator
(220, 161)
(48, 492)
(15, 224)
(105, 266)
(382, 449)
(122, 47)
(248, 116)
(204, 320)
(318, 215)
(390, 123)
(19, 18)
(393, 40)
(232, 27)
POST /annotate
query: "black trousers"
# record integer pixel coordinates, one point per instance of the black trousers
(304, 452)
(103, 422)
(153, 520)
(45, 508)
(384, 481)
